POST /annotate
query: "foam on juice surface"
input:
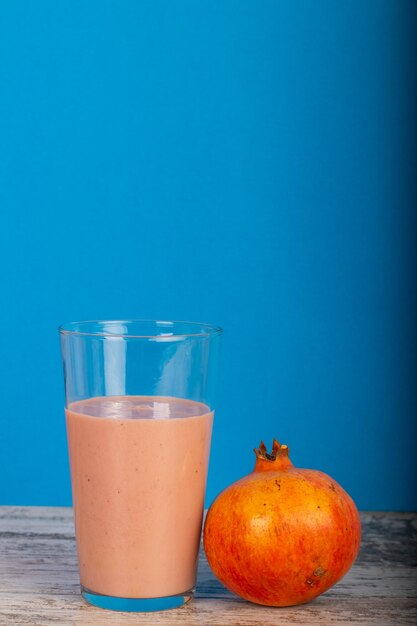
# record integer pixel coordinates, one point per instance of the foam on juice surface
(139, 407)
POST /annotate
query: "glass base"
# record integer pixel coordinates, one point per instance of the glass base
(114, 603)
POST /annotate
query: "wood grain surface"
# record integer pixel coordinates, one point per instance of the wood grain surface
(39, 581)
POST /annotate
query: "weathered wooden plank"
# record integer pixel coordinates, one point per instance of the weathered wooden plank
(39, 580)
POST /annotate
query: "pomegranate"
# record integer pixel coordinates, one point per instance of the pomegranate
(281, 535)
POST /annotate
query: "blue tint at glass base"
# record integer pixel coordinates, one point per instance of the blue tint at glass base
(134, 604)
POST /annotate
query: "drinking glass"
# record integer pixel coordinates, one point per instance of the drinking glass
(139, 413)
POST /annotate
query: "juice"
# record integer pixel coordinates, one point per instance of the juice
(138, 469)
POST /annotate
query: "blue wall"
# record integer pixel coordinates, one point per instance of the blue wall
(245, 163)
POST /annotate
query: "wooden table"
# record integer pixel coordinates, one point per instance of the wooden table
(39, 581)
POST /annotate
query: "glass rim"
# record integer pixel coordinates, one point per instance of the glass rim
(206, 330)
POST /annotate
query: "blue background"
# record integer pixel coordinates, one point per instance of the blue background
(244, 163)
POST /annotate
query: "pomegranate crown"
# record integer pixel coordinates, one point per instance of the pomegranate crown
(278, 450)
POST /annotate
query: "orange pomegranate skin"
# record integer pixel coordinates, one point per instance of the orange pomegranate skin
(281, 536)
